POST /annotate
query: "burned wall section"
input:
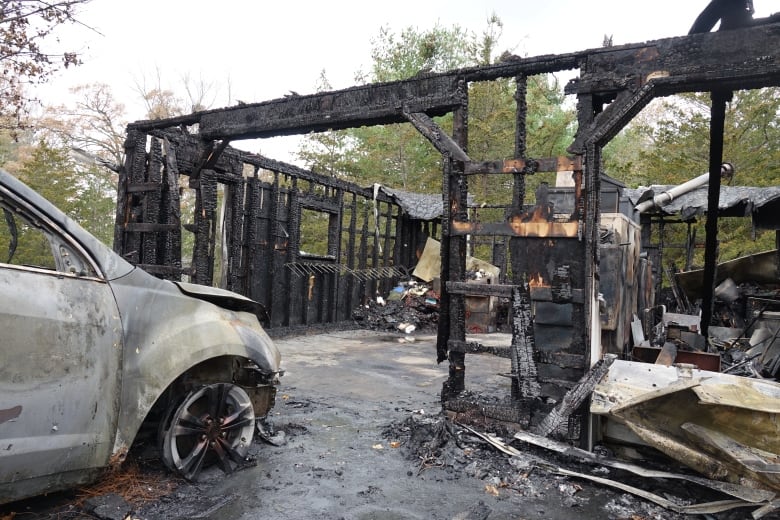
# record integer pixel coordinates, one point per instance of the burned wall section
(190, 211)
(553, 257)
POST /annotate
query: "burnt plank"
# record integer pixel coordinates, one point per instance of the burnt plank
(436, 136)
(475, 347)
(699, 62)
(480, 289)
(524, 166)
(380, 103)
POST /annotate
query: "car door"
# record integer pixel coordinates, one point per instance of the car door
(60, 357)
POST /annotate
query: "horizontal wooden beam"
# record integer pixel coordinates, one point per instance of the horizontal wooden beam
(744, 58)
(480, 289)
(525, 166)
(518, 229)
(474, 347)
(374, 104)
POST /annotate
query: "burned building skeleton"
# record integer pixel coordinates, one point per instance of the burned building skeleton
(559, 260)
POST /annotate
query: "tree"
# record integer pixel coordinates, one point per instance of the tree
(26, 27)
(672, 146)
(399, 156)
(162, 102)
(84, 192)
(93, 124)
(326, 153)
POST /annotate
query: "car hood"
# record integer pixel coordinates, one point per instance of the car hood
(225, 299)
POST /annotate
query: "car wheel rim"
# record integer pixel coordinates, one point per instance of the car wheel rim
(214, 423)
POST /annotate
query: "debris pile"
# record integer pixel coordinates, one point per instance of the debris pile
(408, 307)
(742, 338)
(436, 444)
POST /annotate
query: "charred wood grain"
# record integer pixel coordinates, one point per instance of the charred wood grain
(253, 253)
(562, 359)
(312, 201)
(205, 227)
(130, 204)
(477, 409)
(388, 250)
(236, 268)
(480, 289)
(523, 344)
(521, 137)
(548, 294)
(700, 61)
(443, 143)
(524, 166)
(171, 208)
(453, 259)
(148, 227)
(296, 302)
(573, 399)
(375, 104)
(475, 347)
(151, 201)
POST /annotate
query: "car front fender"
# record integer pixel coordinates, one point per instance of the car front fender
(167, 334)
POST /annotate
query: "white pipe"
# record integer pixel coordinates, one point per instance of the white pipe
(662, 199)
(668, 196)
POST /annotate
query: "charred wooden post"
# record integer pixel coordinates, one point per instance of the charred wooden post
(296, 285)
(171, 214)
(521, 101)
(453, 255)
(352, 290)
(717, 124)
(151, 202)
(523, 351)
(205, 228)
(127, 241)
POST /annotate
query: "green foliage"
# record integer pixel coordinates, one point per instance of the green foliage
(85, 194)
(398, 156)
(52, 173)
(673, 147)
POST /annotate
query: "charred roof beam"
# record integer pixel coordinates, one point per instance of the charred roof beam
(744, 58)
(375, 104)
(524, 166)
(437, 137)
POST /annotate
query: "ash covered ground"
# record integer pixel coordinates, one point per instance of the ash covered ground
(359, 434)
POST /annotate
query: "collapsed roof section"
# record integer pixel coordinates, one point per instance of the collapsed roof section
(762, 204)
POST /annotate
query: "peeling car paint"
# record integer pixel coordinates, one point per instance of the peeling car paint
(10, 414)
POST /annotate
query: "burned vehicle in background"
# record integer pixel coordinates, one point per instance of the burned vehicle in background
(93, 347)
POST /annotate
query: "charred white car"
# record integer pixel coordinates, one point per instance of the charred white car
(93, 348)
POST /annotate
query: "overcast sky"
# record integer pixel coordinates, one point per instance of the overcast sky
(265, 49)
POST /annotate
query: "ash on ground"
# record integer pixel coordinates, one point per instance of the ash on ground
(434, 443)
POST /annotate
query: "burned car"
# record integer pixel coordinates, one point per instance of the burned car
(93, 348)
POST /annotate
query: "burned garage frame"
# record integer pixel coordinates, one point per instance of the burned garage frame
(554, 256)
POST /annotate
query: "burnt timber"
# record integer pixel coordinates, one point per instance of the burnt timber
(258, 239)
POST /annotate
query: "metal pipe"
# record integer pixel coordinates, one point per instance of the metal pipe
(662, 199)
